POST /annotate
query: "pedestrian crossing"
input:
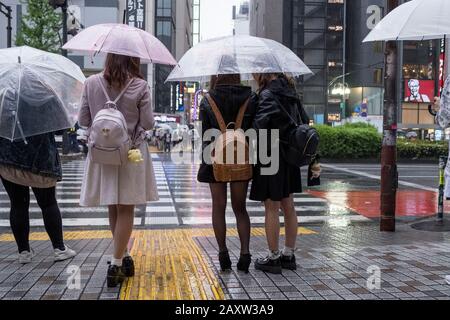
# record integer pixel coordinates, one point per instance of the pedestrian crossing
(183, 202)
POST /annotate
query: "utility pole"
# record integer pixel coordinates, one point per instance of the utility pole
(389, 172)
(7, 11)
(63, 5)
(64, 26)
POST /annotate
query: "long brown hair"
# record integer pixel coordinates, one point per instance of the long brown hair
(263, 79)
(119, 68)
(221, 79)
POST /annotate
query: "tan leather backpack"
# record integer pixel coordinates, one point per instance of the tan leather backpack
(231, 155)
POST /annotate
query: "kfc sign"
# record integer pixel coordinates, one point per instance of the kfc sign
(421, 91)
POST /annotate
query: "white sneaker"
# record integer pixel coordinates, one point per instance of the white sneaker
(447, 279)
(25, 257)
(61, 255)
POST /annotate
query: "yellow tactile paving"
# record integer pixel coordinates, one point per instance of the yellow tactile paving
(169, 263)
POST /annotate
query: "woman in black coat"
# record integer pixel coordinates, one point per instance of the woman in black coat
(276, 191)
(229, 95)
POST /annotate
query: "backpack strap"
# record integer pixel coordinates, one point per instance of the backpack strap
(241, 114)
(215, 108)
(110, 101)
(124, 90)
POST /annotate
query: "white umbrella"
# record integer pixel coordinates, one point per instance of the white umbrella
(40, 92)
(237, 55)
(416, 20)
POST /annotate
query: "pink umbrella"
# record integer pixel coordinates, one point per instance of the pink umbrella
(121, 39)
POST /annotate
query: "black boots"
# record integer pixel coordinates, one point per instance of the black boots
(269, 265)
(225, 261)
(128, 267)
(275, 266)
(244, 262)
(115, 276)
(288, 262)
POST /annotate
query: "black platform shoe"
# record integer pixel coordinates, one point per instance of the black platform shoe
(288, 262)
(115, 276)
(128, 267)
(244, 262)
(225, 261)
(269, 265)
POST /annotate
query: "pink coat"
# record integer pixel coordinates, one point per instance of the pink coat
(132, 183)
(135, 105)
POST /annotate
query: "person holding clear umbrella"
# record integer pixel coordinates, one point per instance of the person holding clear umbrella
(278, 105)
(269, 60)
(228, 96)
(34, 105)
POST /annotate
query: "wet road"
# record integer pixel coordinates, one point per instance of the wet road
(347, 189)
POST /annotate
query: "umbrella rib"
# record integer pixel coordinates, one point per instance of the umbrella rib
(140, 36)
(50, 88)
(106, 37)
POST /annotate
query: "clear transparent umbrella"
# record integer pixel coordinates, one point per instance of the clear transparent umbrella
(415, 20)
(237, 55)
(40, 92)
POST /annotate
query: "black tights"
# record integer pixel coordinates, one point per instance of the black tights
(20, 216)
(238, 201)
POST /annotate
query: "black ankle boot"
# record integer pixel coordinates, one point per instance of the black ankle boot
(225, 261)
(115, 276)
(128, 266)
(244, 262)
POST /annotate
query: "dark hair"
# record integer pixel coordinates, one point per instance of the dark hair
(263, 79)
(221, 79)
(119, 68)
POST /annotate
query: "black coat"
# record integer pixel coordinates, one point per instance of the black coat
(229, 100)
(40, 156)
(270, 115)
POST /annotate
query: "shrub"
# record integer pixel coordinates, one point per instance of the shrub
(421, 149)
(362, 141)
(349, 142)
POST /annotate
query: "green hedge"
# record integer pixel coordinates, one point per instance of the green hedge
(349, 142)
(421, 149)
(362, 141)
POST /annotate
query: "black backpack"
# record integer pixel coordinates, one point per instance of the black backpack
(300, 146)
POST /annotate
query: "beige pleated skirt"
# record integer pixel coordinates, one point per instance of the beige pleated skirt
(130, 184)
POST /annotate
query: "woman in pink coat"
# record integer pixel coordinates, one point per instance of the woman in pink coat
(120, 188)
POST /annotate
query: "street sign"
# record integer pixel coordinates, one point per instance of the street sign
(135, 15)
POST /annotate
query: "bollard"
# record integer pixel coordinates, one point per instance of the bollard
(442, 165)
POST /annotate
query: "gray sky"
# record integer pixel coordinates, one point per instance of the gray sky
(216, 18)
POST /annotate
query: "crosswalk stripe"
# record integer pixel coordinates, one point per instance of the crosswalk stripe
(183, 201)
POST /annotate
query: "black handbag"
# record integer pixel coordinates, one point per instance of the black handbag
(300, 147)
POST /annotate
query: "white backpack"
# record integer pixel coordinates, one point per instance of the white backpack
(109, 142)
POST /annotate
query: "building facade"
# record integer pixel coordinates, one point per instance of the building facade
(241, 19)
(348, 79)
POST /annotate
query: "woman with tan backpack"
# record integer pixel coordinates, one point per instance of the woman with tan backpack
(227, 103)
